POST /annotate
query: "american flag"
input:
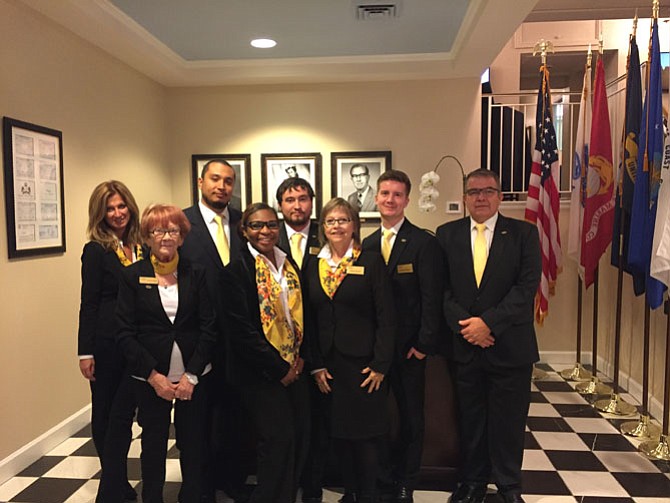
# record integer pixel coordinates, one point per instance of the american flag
(542, 205)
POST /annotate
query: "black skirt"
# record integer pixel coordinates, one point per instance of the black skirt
(355, 413)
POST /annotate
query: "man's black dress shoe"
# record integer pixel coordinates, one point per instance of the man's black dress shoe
(469, 493)
(312, 500)
(404, 495)
(511, 497)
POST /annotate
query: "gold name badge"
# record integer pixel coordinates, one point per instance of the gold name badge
(148, 280)
(314, 250)
(405, 269)
(357, 270)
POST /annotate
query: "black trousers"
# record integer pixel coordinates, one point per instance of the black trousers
(319, 443)
(493, 406)
(108, 377)
(407, 380)
(154, 417)
(281, 417)
(230, 434)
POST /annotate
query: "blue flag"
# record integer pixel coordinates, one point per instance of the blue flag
(648, 178)
(628, 168)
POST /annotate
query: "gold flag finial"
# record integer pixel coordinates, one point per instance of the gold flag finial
(543, 47)
(635, 24)
(589, 57)
(601, 44)
(654, 9)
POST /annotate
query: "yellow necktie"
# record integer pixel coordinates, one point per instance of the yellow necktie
(296, 249)
(386, 244)
(222, 241)
(480, 253)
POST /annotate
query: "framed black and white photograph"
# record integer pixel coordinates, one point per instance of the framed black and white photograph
(241, 163)
(354, 178)
(278, 167)
(33, 163)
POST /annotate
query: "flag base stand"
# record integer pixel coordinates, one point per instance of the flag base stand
(641, 429)
(593, 387)
(616, 405)
(576, 373)
(538, 374)
(656, 449)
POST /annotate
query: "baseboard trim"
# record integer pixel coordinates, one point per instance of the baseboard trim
(21, 459)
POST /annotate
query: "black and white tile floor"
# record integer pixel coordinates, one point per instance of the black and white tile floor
(573, 454)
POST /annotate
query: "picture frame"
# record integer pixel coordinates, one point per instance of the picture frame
(241, 163)
(34, 189)
(275, 168)
(360, 189)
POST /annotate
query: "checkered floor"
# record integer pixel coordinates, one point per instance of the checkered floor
(573, 453)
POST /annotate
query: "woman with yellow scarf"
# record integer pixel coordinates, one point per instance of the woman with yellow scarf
(264, 310)
(351, 296)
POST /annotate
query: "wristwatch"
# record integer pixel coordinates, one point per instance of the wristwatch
(193, 379)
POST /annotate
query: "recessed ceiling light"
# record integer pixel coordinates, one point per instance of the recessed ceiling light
(263, 43)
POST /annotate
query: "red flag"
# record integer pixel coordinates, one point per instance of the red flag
(599, 200)
(542, 204)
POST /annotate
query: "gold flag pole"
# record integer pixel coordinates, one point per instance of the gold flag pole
(615, 404)
(577, 372)
(542, 48)
(644, 428)
(594, 386)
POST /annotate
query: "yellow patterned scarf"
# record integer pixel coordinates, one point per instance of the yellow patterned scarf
(330, 280)
(125, 261)
(276, 327)
(164, 268)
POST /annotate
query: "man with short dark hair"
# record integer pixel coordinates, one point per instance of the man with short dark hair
(363, 198)
(492, 271)
(213, 242)
(414, 264)
(298, 235)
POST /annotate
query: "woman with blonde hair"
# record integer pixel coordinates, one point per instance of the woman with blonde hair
(114, 243)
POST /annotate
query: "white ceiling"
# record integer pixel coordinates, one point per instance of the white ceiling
(206, 42)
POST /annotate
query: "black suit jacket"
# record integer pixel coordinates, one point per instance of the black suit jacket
(505, 297)
(360, 319)
(146, 334)
(100, 273)
(250, 357)
(416, 271)
(311, 250)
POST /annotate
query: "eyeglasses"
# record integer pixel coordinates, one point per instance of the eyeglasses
(488, 192)
(359, 175)
(159, 233)
(257, 225)
(332, 222)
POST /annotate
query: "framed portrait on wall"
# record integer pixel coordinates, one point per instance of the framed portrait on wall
(33, 163)
(354, 178)
(241, 163)
(278, 167)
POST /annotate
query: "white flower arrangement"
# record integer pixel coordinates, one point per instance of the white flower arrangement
(428, 192)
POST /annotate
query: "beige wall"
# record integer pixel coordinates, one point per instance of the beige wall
(113, 126)
(418, 121)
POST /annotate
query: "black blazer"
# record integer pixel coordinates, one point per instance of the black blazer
(505, 297)
(145, 333)
(100, 273)
(199, 247)
(249, 356)
(360, 319)
(416, 271)
(311, 250)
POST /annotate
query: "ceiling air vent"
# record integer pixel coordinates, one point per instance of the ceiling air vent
(370, 11)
